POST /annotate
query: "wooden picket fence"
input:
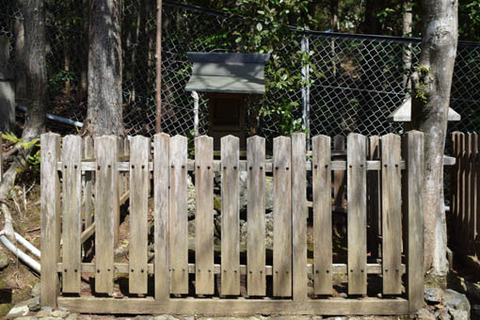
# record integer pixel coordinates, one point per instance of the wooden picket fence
(464, 220)
(84, 187)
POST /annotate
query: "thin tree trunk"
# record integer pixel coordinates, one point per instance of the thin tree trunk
(104, 115)
(407, 20)
(35, 67)
(430, 100)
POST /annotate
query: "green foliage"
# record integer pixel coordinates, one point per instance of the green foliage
(33, 155)
(57, 81)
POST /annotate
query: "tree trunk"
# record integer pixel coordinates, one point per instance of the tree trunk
(104, 115)
(407, 20)
(430, 100)
(35, 67)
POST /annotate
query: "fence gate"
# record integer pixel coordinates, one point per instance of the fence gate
(148, 231)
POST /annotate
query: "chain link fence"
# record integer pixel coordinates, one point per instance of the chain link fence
(336, 83)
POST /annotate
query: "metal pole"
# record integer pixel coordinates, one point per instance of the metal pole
(158, 86)
(195, 112)
(305, 47)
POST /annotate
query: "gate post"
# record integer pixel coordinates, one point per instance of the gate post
(50, 211)
(413, 206)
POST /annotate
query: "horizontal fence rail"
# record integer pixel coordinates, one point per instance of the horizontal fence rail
(292, 231)
(464, 220)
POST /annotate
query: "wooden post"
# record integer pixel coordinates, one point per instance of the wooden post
(322, 216)
(413, 205)
(72, 211)
(230, 274)
(357, 213)
(139, 184)
(106, 211)
(204, 279)
(160, 196)
(178, 243)
(391, 214)
(299, 216)
(50, 208)
(256, 281)
(282, 217)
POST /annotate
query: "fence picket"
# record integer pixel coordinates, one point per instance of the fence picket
(391, 214)
(204, 279)
(412, 149)
(256, 281)
(282, 218)
(473, 194)
(322, 216)
(230, 274)
(476, 223)
(160, 211)
(72, 212)
(299, 216)
(50, 207)
(178, 215)
(357, 215)
(106, 209)
(139, 184)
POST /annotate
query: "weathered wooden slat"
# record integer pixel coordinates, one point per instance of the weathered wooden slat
(454, 182)
(299, 216)
(50, 208)
(337, 268)
(256, 281)
(322, 216)
(374, 204)
(106, 210)
(357, 215)
(391, 214)
(468, 193)
(178, 216)
(476, 236)
(72, 212)
(160, 211)
(204, 279)
(461, 187)
(230, 146)
(282, 217)
(413, 151)
(473, 194)
(139, 184)
(88, 191)
(237, 307)
(125, 166)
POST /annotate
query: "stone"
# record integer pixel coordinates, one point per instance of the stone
(44, 313)
(19, 310)
(34, 306)
(459, 314)
(72, 316)
(36, 290)
(424, 314)
(433, 295)
(4, 261)
(165, 317)
(476, 309)
(456, 301)
(26, 318)
(51, 318)
(473, 290)
(60, 313)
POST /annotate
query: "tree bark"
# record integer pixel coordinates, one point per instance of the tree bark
(430, 101)
(35, 67)
(104, 115)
